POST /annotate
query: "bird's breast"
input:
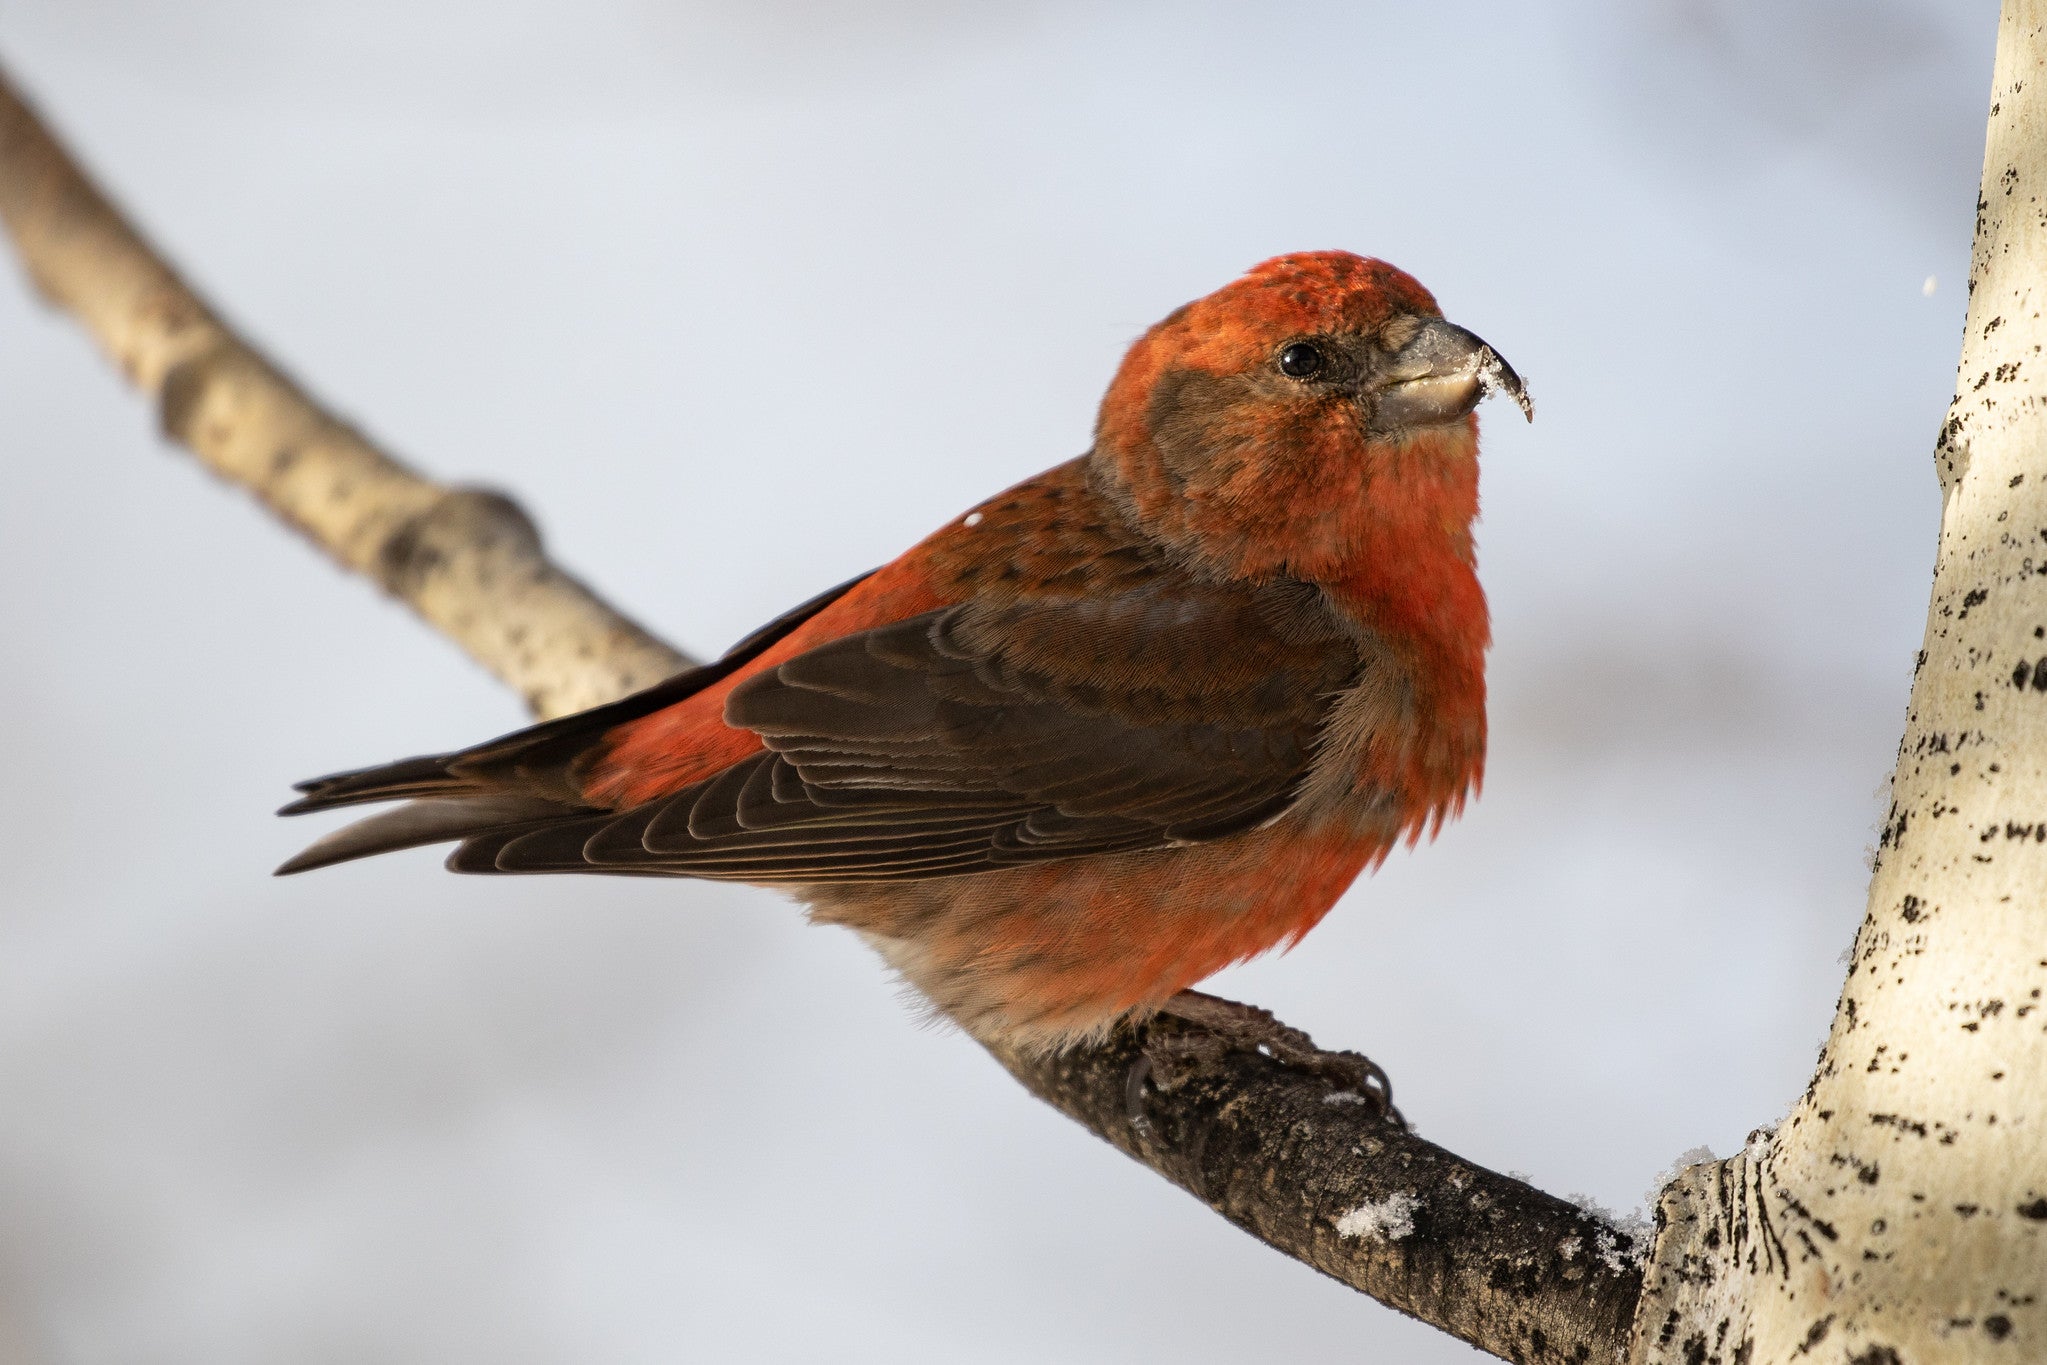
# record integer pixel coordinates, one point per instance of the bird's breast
(1401, 747)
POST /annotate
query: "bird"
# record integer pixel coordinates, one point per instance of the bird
(1137, 718)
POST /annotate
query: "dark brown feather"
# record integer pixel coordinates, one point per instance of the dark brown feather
(982, 736)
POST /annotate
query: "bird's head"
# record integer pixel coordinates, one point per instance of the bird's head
(1272, 425)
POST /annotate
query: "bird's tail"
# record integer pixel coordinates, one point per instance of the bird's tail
(427, 776)
(520, 781)
(427, 820)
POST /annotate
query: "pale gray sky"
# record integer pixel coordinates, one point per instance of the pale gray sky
(743, 299)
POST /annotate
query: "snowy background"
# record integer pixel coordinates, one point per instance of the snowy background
(743, 298)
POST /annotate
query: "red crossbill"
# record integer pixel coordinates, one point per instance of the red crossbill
(1135, 719)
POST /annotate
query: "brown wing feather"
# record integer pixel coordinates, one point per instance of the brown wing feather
(983, 736)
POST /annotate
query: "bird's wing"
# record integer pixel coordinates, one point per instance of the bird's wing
(985, 735)
(520, 780)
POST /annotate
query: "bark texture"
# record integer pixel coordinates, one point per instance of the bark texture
(1277, 1148)
(1313, 1170)
(1898, 1216)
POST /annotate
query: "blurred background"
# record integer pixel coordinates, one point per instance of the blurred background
(742, 299)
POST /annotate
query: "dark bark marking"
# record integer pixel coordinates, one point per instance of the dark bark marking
(461, 522)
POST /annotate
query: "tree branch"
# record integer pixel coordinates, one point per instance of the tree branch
(467, 560)
(1314, 1172)
(1311, 1170)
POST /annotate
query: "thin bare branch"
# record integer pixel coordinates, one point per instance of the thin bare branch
(1278, 1150)
(467, 560)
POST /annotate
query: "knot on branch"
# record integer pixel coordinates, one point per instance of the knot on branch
(461, 523)
(184, 388)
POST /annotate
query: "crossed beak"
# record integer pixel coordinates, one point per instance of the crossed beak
(1439, 376)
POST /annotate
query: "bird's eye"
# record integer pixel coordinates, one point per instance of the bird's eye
(1302, 360)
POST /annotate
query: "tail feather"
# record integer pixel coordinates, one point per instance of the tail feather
(434, 820)
(427, 775)
(493, 792)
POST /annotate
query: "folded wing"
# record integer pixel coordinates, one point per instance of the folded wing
(978, 736)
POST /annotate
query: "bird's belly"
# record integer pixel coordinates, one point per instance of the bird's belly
(1051, 953)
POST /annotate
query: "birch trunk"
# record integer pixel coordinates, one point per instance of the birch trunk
(1898, 1216)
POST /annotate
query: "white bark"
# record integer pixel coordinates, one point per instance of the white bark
(1898, 1216)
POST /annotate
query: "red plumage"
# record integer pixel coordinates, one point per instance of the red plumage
(1139, 717)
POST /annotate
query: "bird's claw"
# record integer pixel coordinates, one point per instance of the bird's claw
(1171, 1058)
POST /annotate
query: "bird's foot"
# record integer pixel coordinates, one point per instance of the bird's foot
(1224, 1026)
